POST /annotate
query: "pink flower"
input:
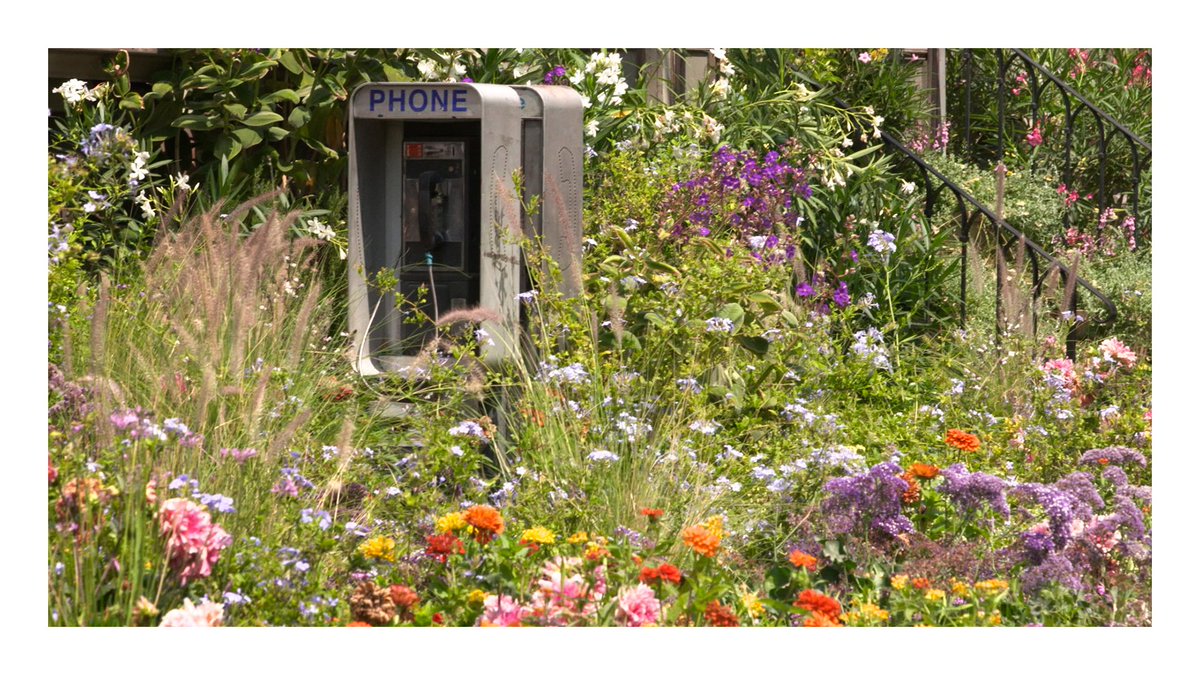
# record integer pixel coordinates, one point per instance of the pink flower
(194, 542)
(1063, 369)
(1114, 350)
(208, 615)
(1034, 138)
(865, 57)
(638, 606)
(502, 611)
(53, 472)
(564, 593)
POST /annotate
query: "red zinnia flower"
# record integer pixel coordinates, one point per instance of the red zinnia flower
(669, 572)
(649, 575)
(819, 604)
(652, 514)
(717, 614)
(801, 559)
(439, 546)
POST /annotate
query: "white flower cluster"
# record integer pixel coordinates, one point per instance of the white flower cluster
(138, 170)
(722, 87)
(607, 69)
(868, 344)
(76, 91)
(450, 71)
(719, 324)
(319, 229)
(573, 373)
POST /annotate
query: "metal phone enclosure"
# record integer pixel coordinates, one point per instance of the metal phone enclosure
(432, 195)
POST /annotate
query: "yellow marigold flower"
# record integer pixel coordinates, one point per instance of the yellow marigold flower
(935, 595)
(537, 535)
(476, 597)
(992, 586)
(716, 525)
(900, 582)
(380, 548)
(577, 538)
(753, 605)
(995, 619)
(959, 588)
(867, 613)
(451, 522)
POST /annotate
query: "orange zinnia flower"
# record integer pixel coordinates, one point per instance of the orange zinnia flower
(921, 584)
(669, 572)
(486, 521)
(701, 540)
(819, 604)
(801, 559)
(957, 438)
(913, 494)
(822, 621)
(652, 514)
(717, 614)
(924, 471)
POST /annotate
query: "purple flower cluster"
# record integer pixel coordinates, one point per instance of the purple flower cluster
(1056, 568)
(1114, 454)
(970, 491)
(74, 402)
(752, 196)
(871, 499)
(1061, 508)
(556, 75)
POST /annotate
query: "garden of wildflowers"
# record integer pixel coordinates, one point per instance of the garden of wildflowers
(782, 397)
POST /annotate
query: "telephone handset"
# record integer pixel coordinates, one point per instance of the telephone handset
(431, 215)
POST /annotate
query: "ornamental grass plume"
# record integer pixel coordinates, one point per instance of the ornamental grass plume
(207, 614)
(957, 438)
(485, 521)
(194, 542)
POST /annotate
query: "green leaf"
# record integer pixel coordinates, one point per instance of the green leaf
(236, 109)
(734, 313)
(626, 240)
(288, 95)
(161, 89)
(227, 147)
(192, 122)
(247, 137)
(298, 118)
(766, 301)
(289, 61)
(277, 133)
(131, 101)
(657, 320)
(662, 267)
(757, 345)
(262, 118)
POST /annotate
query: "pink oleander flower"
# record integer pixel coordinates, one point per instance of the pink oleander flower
(207, 615)
(637, 606)
(1115, 350)
(1034, 137)
(502, 611)
(194, 542)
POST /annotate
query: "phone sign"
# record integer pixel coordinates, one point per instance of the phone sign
(417, 101)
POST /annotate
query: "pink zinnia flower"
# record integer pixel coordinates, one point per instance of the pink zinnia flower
(1064, 369)
(1115, 350)
(637, 606)
(502, 611)
(194, 542)
(208, 615)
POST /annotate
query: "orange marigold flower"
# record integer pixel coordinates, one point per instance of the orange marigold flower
(717, 614)
(486, 521)
(921, 583)
(801, 559)
(818, 603)
(924, 471)
(957, 438)
(913, 494)
(669, 572)
(701, 540)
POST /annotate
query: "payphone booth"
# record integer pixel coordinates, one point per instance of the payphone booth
(433, 200)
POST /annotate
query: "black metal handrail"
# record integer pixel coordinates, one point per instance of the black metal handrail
(1007, 236)
(1041, 80)
(1043, 264)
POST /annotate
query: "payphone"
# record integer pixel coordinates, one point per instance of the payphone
(433, 201)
